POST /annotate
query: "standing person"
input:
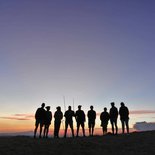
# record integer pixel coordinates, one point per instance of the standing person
(80, 119)
(47, 121)
(113, 117)
(69, 114)
(124, 117)
(40, 118)
(91, 120)
(58, 115)
(104, 117)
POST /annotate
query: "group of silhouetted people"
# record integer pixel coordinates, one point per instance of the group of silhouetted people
(113, 116)
(44, 117)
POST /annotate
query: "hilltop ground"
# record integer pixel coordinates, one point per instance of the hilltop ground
(140, 143)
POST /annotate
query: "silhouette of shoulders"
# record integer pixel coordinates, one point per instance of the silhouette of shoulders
(40, 113)
(91, 114)
(113, 112)
(80, 115)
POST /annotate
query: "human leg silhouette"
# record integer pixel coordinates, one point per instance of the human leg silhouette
(66, 127)
(122, 121)
(77, 132)
(35, 130)
(127, 125)
(112, 124)
(116, 126)
(72, 130)
(83, 129)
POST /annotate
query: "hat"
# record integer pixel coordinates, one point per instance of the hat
(79, 106)
(47, 107)
(58, 107)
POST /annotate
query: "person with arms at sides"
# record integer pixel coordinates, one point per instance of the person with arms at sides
(104, 117)
(80, 119)
(48, 120)
(58, 115)
(113, 118)
(91, 120)
(124, 117)
(40, 118)
(69, 114)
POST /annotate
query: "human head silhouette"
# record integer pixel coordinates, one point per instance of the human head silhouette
(58, 108)
(105, 109)
(79, 107)
(91, 107)
(48, 108)
(43, 105)
(69, 107)
(122, 104)
(112, 104)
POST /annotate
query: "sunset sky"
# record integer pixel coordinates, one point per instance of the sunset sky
(92, 51)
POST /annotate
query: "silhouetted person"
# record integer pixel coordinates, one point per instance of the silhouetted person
(80, 119)
(58, 115)
(124, 117)
(104, 117)
(69, 114)
(48, 118)
(113, 117)
(40, 118)
(91, 120)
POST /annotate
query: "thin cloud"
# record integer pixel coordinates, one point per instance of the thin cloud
(142, 112)
(30, 116)
(21, 117)
(137, 112)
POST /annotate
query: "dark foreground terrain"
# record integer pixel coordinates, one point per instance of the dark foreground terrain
(140, 143)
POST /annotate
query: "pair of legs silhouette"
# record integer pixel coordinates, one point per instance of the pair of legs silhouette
(66, 127)
(114, 126)
(78, 126)
(38, 123)
(125, 123)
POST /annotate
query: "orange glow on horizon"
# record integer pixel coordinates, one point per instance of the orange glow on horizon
(19, 122)
(13, 126)
(26, 122)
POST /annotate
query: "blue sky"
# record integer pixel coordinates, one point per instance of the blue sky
(93, 51)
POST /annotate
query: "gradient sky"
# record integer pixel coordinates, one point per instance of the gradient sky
(95, 51)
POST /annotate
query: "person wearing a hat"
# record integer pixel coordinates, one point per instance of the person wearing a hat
(91, 120)
(48, 120)
(80, 119)
(58, 115)
(40, 118)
